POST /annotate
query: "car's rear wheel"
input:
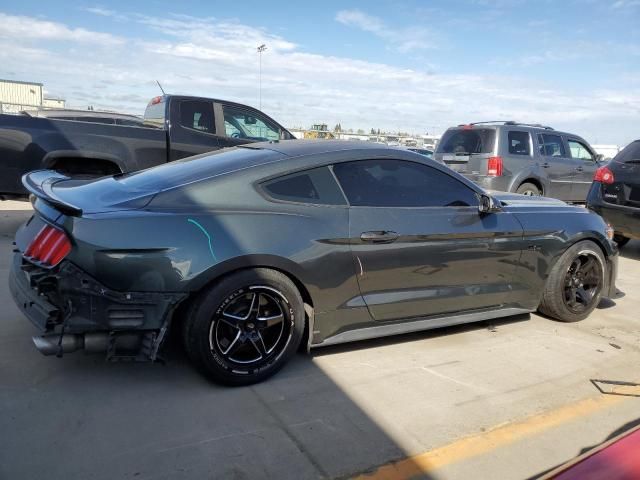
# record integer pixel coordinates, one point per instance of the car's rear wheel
(529, 189)
(621, 240)
(575, 284)
(245, 328)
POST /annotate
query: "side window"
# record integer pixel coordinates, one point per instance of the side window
(244, 124)
(579, 150)
(550, 145)
(317, 186)
(397, 183)
(519, 143)
(197, 115)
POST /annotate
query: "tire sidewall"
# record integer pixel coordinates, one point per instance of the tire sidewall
(529, 187)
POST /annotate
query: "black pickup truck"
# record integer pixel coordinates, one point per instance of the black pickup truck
(173, 127)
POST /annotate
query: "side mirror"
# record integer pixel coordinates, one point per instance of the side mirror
(599, 158)
(487, 205)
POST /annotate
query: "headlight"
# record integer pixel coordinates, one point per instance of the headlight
(609, 231)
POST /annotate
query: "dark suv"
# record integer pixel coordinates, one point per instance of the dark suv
(615, 193)
(521, 158)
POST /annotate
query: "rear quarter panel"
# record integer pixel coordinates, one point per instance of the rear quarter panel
(176, 245)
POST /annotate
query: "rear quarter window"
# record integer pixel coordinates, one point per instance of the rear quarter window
(316, 186)
(475, 140)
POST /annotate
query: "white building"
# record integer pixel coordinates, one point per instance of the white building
(16, 96)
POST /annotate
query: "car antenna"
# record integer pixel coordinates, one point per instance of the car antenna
(162, 89)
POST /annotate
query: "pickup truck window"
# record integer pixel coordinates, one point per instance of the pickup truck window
(197, 115)
(244, 124)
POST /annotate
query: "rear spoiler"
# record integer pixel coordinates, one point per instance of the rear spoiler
(40, 184)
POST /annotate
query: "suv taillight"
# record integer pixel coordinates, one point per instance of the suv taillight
(49, 247)
(494, 167)
(604, 175)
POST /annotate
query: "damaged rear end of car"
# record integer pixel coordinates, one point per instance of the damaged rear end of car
(51, 280)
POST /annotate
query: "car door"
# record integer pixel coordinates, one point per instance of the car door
(419, 244)
(192, 129)
(242, 125)
(556, 163)
(585, 168)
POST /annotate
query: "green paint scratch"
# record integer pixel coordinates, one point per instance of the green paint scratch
(191, 220)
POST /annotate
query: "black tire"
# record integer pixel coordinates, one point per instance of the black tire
(226, 337)
(574, 287)
(529, 189)
(621, 240)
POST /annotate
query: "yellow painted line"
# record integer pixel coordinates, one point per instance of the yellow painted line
(488, 441)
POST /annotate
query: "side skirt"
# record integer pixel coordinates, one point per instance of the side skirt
(400, 326)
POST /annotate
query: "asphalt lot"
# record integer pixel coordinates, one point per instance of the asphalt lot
(505, 399)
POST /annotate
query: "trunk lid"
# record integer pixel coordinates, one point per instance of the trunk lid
(76, 197)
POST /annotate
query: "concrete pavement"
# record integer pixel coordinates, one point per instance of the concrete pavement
(503, 399)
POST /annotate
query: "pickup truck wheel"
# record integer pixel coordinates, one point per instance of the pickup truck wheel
(575, 284)
(621, 240)
(246, 327)
(529, 189)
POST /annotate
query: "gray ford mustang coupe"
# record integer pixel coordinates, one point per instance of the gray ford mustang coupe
(252, 251)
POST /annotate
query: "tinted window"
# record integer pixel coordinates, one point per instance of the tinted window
(550, 145)
(475, 140)
(631, 153)
(244, 124)
(197, 115)
(519, 143)
(316, 186)
(579, 150)
(396, 183)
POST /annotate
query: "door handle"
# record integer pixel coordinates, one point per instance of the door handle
(545, 165)
(382, 236)
(579, 169)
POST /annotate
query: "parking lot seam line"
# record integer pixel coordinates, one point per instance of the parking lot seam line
(290, 435)
(481, 443)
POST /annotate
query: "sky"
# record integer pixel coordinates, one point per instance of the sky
(416, 66)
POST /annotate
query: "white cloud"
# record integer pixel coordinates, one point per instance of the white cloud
(217, 58)
(403, 40)
(21, 27)
(105, 12)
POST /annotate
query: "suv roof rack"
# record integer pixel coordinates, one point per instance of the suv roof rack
(509, 122)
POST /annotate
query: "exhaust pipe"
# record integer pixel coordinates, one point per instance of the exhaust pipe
(90, 342)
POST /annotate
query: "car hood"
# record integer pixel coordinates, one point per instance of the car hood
(516, 199)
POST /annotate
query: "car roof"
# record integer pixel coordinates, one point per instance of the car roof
(297, 148)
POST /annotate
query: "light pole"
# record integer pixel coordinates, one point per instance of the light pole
(261, 49)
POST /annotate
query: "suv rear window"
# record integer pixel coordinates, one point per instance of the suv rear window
(631, 153)
(476, 140)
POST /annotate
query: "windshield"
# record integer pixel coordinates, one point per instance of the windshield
(476, 140)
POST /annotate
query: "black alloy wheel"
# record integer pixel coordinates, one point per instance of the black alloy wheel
(583, 282)
(252, 326)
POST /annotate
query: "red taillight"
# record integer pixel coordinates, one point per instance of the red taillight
(155, 100)
(49, 247)
(494, 167)
(604, 175)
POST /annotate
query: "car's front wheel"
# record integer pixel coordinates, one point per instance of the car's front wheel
(574, 287)
(245, 328)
